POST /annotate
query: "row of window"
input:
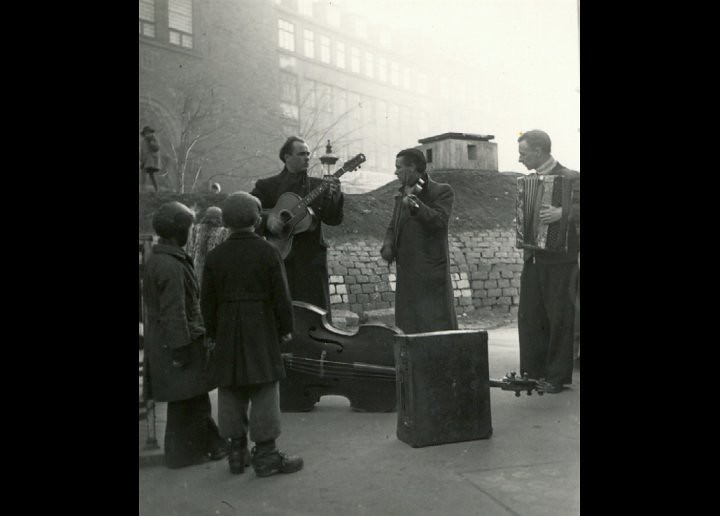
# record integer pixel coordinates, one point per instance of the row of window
(316, 96)
(179, 21)
(334, 18)
(320, 48)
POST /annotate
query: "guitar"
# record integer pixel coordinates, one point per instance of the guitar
(295, 213)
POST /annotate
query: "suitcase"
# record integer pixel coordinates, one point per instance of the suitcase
(443, 387)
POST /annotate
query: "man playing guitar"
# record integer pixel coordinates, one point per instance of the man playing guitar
(306, 264)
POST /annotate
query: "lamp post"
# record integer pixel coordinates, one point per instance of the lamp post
(328, 159)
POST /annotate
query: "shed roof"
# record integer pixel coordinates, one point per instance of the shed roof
(458, 136)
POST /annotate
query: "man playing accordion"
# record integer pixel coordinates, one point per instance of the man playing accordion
(550, 275)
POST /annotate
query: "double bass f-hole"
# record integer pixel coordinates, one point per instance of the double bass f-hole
(313, 333)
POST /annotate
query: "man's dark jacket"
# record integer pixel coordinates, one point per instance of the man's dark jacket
(424, 299)
(306, 265)
(573, 249)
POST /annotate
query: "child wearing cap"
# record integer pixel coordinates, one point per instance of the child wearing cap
(247, 309)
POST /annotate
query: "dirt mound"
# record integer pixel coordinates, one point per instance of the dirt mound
(483, 200)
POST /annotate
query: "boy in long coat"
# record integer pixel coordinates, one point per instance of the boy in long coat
(247, 309)
(174, 344)
(417, 240)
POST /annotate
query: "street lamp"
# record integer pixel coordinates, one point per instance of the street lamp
(329, 159)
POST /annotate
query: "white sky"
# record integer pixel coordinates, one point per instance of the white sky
(528, 54)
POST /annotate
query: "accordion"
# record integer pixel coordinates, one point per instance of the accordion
(534, 191)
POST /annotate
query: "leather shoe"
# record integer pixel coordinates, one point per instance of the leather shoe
(273, 462)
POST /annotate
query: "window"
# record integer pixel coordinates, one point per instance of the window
(180, 22)
(288, 88)
(394, 115)
(355, 59)
(147, 18)
(395, 74)
(324, 49)
(369, 114)
(305, 7)
(286, 35)
(369, 65)
(428, 154)
(355, 106)
(472, 152)
(340, 54)
(309, 95)
(382, 113)
(340, 102)
(309, 39)
(324, 98)
(382, 69)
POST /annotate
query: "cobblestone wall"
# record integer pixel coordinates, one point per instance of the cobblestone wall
(485, 268)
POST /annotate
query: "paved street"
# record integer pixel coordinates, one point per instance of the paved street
(354, 464)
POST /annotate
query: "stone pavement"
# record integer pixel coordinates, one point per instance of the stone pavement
(354, 464)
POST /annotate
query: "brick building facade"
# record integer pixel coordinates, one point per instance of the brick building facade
(229, 80)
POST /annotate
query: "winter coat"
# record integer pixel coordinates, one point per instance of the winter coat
(172, 321)
(246, 306)
(204, 237)
(306, 265)
(424, 298)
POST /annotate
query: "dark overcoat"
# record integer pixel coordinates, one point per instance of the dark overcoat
(424, 299)
(306, 265)
(173, 320)
(246, 306)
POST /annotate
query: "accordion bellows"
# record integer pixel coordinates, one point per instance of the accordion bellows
(534, 191)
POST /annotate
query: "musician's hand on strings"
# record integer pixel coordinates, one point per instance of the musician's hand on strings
(286, 338)
(550, 214)
(333, 185)
(275, 224)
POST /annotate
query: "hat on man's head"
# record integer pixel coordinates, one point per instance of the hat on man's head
(241, 210)
(147, 129)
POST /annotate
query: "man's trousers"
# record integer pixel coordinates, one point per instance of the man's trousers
(546, 319)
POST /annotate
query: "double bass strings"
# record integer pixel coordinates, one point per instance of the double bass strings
(340, 369)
